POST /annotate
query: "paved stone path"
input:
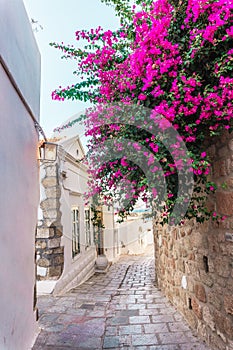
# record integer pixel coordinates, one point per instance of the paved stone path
(118, 310)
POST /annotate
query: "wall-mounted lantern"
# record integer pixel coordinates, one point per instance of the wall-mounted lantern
(48, 151)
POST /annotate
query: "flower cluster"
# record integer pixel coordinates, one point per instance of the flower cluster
(174, 58)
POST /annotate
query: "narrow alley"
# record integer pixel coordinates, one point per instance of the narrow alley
(118, 310)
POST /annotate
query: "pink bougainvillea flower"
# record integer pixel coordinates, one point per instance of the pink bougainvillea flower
(184, 80)
(123, 162)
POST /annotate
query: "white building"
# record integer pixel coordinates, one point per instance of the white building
(19, 111)
(67, 243)
(66, 250)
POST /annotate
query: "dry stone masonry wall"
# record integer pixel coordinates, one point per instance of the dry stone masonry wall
(194, 263)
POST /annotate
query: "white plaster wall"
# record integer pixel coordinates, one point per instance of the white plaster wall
(134, 236)
(129, 237)
(19, 51)
(81, 267)
(19, 185)
(18, 217)
(111, 235)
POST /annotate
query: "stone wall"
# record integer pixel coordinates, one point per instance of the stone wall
(194, 263)
(49, 252)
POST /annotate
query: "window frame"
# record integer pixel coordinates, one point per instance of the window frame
(76, 246)
(87, 222)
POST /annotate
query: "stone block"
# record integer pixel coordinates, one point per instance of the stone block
(222, 282)
(229, 285)
(228, 303)
(40, 244)
(182, 233)
(222, 266)
(216, 169)
(213, 247)
(164, 243)
(226, 249)
(191, 256)
(53, 221)
(170, 245)
(141, 341)
(208, 318)
(50, 204)
(41, 271)
(171, 264)
(111, 342)
(206, 279)
(220, 237)
(228, 237)
(196, 239)
(47, 252)
(224, 202)
(214, 299)
(53, 192)
(190, 285)
(226, 224)
(58, 260)
(177, 278)
(174, 233)
(222, 168)
(54, 271)
(190, 268)
(44, 232)
(212, 151)
(43, 262)
(197, 309)
(229, 165)
(49, 181)
(181, 265)
(229, 182)
(230, 145)
(188, 230)
(54, 243)
(223, 151)
(58, 232)
(184, 251)
(219, 320)
(201, 329)
(190, 318)
(175, 254)
(210, 205)
(50, 216)
(200, 292)
(228, 327)
(51, 170)
(58, 250)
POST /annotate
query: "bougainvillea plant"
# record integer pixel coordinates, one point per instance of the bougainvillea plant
(174, 58)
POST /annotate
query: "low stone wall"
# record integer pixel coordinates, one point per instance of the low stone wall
(194, 263)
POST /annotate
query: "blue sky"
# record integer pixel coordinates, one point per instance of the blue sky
(60, 20)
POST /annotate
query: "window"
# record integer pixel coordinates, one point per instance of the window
(75, 232)
(88, 227)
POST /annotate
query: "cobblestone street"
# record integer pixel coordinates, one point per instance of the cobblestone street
(118, 310)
